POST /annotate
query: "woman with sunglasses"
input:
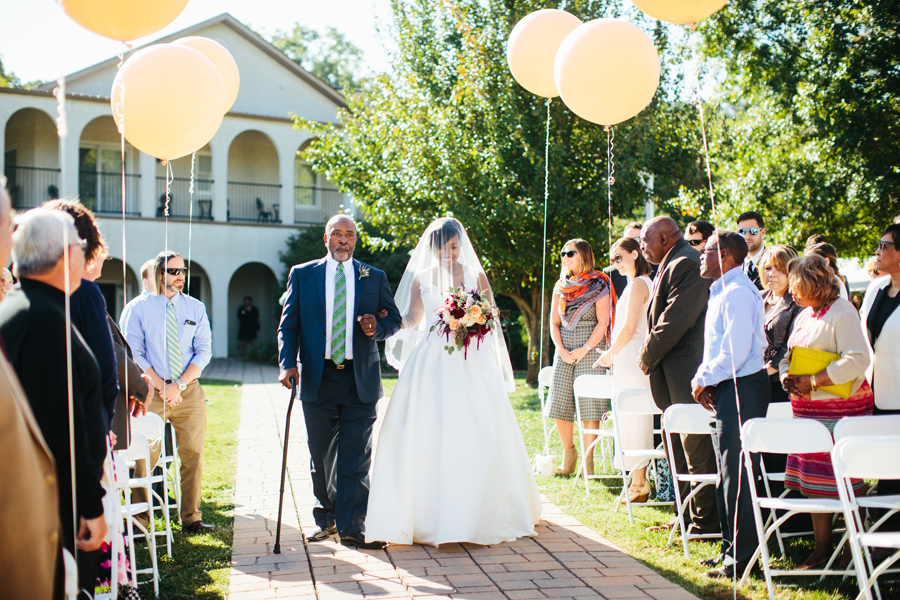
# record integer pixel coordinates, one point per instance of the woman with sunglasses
(580, 314)
(629, 332)
(880, 316)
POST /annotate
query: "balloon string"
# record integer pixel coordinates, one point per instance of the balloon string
(190, 218)
(698, 98)
(120, 121)
(169, 179)
(610, 176)
(544, 246)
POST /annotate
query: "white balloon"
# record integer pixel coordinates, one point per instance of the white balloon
(607, 71)
(532, 47)
(680, 12)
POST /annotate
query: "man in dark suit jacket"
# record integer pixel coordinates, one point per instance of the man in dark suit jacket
(329, 322)
(673, 351)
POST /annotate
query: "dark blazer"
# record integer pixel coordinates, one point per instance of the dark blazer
(130, 371)
(33, 326)
(301, 333)
(673, 349)
(778, 325)
(89, 317)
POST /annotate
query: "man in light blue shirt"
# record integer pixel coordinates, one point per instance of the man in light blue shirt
(169, 335)
(146, 290)
(733, 385)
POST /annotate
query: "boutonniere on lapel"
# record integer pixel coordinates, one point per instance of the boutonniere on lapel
(363, 271)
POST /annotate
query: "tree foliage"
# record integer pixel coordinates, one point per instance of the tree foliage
(8, 80)
(330, 56)
(815, 140)
(449, 132)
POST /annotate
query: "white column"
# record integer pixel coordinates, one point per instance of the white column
(286, 157)
(147, 197)
(220, 181)
(219, 317)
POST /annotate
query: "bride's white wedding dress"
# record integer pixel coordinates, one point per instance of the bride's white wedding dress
(450, 462)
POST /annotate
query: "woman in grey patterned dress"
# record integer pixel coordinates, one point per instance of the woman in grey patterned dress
(580, 315)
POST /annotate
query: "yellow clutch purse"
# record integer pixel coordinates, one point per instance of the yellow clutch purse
(807, 361)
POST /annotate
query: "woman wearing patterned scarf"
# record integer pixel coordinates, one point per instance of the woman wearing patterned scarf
(580, 317)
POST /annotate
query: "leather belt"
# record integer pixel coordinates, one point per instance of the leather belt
(332, 365)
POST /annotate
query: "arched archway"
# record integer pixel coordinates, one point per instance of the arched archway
(100, 169)
(31, 158)
(254, 187)
(258, 281)
(110, 282)
(180, 188)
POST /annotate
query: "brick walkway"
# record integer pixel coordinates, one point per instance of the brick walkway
(565, 560)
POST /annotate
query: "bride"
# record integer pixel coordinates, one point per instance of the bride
(450, 463)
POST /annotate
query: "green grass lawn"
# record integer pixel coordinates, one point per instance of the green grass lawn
(201, 563)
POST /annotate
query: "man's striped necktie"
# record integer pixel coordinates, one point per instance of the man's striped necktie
(175, 366)
(339, 317)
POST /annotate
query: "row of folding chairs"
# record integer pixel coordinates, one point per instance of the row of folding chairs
(861, 448)
(121, 510)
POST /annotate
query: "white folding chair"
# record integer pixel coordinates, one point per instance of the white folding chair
(593, 386)
(151, 425)
(545, 378)
(864, 458)
(138, 450)
(780, 410)
(873, 426)
(112, 511)
(634, 401)
(691, 419)
(785, 436)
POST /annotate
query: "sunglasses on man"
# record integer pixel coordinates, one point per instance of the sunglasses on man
(750, 230)
(882, 245)
(177, 271)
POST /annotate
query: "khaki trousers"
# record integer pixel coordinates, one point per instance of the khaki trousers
(189, 421)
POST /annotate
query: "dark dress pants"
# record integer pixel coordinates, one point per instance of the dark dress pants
(339, 430)
(732, 489)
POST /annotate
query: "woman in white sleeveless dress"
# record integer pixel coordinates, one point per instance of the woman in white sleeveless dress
(628, 336)
(450, 463)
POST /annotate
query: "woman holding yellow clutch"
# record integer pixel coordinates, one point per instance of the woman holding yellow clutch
(828, 323)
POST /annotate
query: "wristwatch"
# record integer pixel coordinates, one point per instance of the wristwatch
(181, 385)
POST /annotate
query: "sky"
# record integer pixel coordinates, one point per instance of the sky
(38, 41)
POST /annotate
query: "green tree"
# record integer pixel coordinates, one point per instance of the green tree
(449, 132)
(330, 56)
(814, 142)
(8, 80)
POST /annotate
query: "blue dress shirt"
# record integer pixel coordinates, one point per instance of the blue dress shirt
(734, 338)
(146, 333)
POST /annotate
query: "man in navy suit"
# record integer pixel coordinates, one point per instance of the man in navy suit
(328, 326)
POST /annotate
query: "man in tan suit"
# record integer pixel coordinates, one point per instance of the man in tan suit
(29, 518)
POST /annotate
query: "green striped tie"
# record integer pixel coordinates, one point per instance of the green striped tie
(339, 317)
(172, 341)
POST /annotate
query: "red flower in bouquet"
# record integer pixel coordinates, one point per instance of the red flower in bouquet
(463, 316)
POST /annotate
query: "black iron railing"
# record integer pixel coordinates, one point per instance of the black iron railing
(31, 186)
(102, 192)
(258, 202)
(180, 198)
(317, 205)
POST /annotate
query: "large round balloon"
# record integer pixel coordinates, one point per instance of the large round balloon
(532, 48)
(679, 11)
(607, 71)
(223, 61)
(174, 100)
(123, 20)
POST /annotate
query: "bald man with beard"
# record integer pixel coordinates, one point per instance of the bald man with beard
(673, 351)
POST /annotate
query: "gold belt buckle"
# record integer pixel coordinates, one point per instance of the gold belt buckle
(339, 367)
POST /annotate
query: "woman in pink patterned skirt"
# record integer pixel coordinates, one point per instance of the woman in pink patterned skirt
(828, 323)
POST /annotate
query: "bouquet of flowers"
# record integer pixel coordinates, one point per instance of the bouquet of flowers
(463, 316)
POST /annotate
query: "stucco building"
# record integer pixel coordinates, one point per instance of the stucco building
(251, 190)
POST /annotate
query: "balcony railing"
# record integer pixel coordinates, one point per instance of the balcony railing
(180, 198)
(102, 192)
(317, 205)
(31, 186)
(257, 202)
